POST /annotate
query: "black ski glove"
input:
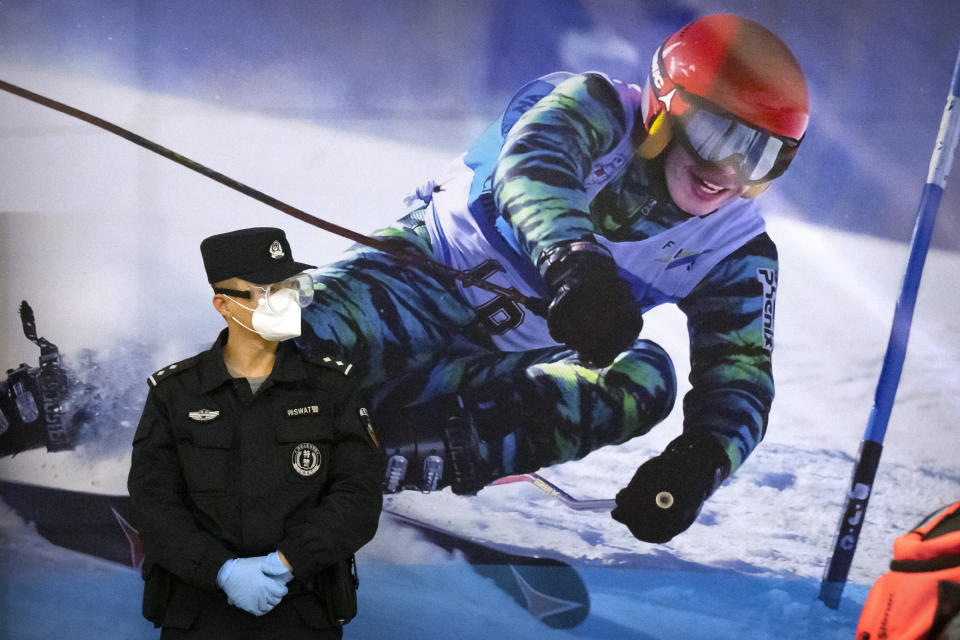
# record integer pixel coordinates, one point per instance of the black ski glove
(592, 308)
(666, 493)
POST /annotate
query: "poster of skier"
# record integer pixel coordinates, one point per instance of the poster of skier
(613, 282)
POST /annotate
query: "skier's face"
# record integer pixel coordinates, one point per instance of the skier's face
(696, 187)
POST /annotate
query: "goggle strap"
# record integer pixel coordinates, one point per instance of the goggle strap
(752, 191)
(657, 137)
(232, 292)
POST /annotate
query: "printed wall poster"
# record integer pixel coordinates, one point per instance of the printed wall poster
(568, 329)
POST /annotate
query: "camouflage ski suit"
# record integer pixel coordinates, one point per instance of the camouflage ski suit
(559, 165)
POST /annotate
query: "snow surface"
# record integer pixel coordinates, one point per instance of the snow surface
(47, 589)
(122, 223)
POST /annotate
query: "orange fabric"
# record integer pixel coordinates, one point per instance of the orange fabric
(913, 547)
(901, 606)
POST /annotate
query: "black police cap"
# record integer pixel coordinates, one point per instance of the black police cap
(260, 255)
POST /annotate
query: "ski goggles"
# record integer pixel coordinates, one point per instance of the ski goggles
(300, 287)
(720, 138)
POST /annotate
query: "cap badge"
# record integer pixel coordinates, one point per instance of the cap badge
(276, 251)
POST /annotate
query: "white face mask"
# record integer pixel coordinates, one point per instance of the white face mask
(275, 325)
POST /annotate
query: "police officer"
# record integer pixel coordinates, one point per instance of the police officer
(254, 469)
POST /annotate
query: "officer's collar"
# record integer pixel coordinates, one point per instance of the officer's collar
(288, 365)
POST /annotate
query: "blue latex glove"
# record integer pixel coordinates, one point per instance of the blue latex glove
(273, 566)
(248, 587)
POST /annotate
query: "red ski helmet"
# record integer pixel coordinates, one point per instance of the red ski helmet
(731, 90)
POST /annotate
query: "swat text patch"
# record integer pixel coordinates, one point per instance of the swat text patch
(303, 411)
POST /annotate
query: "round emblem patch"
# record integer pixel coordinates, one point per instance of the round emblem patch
(306, 459)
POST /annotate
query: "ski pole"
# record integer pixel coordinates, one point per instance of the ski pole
(536, 305)
(577, 504)
(865, 470)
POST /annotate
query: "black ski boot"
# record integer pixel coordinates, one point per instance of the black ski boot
(428, 449)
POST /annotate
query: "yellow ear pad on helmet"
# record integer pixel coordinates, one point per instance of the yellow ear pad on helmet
(657, 138)
(755, 189)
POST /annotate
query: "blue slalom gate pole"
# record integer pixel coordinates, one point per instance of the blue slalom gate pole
(865, 470)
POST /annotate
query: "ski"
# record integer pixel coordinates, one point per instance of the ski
(98, 525)
(551, 590)
(91, 523)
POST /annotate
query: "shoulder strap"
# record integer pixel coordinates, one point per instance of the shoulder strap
(171, 369)
(333, 363)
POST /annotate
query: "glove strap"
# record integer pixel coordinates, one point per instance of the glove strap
(558, 253)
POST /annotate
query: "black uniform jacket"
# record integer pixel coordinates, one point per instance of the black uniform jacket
(218, 472)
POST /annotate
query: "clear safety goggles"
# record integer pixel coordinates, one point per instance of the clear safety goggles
(720, 138)
(299, 288)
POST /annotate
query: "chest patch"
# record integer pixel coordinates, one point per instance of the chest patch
(303, 411)
(203, 415)
(306, 459)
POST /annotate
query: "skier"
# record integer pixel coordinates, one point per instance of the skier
(603, 199)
